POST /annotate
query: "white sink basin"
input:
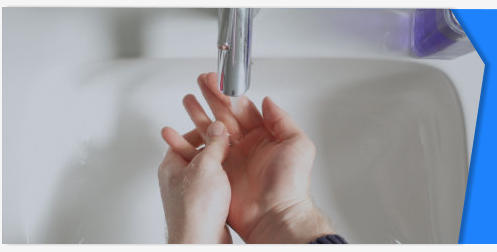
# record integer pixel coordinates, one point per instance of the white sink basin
(80, 155)
(391, 163)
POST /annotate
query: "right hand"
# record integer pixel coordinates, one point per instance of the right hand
(268, 166)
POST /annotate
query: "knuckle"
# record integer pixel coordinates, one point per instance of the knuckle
(203, 157)
(197, 161)
(307, 144)
(162, 170)
(174, 178)
(168, 174)
(277, 125)
(204, 161)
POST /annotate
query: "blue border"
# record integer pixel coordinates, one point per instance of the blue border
(479, 221)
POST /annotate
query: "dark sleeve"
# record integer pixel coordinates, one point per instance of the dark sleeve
(329, 239)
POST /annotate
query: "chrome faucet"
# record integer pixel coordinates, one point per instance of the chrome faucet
(234, 42)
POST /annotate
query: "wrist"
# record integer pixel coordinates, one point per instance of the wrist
(195, 234)
(301, 222)
(198, 239)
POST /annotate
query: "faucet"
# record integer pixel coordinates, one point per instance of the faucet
(234, 42)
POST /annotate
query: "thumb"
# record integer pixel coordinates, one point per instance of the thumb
(277, 121)
(217, 141)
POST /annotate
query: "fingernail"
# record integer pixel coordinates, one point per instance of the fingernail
(237, 104)
(215, 129)
(269, 100)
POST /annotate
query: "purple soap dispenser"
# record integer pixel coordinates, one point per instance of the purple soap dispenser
(436, 33)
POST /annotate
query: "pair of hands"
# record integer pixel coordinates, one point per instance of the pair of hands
(253, 174)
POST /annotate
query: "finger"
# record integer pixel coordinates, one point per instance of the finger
(194, 138)
(277, 121)
(217, 143)
(179, 144)
(211, 80)
(172, 162)
(173, 159)
(219, 105)
(247, 113)
(197, 114)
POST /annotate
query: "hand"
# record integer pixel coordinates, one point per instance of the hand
(268, 166)
(194, 187)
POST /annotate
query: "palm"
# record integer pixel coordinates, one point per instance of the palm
(258, 183)
(266, 158)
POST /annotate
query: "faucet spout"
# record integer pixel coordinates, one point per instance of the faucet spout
(234, 44)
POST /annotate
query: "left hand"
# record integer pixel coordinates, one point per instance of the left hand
(194, 187)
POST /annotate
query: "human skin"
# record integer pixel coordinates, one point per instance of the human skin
(268, 165)
(194, 187)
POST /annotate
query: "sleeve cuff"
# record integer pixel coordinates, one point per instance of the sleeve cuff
(329, 239)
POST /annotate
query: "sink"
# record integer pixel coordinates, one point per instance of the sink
(391, 163)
